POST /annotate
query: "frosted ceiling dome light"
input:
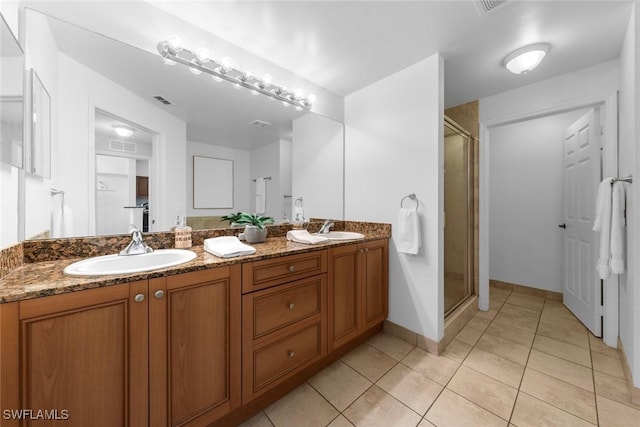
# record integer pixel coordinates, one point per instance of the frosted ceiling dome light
(525, 59)
(123, 131)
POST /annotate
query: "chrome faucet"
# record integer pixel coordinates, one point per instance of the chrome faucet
(136, 246)
(326, 227)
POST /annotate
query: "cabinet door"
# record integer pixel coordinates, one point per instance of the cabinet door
(375, 278)
(195, 346)
(85, 355)
(142, 186)
(344, 295)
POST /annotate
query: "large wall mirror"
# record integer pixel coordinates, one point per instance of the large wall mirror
(183, 116)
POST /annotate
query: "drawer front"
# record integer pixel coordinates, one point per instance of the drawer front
(290, 303)
(261, 274)
(284, 356)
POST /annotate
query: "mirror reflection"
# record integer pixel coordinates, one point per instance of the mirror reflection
(11, 98)
(111, 181)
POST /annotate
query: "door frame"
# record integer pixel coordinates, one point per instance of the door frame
(609, 120)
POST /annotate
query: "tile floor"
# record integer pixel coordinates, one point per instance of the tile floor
(526, 362)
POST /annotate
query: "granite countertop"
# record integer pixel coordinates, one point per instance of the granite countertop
(33, 280)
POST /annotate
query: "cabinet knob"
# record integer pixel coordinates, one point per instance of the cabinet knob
(361, 250)
(139, 298)
(366, 249)
(159, 293)
(292, 306)
(291, 354)
(292, 268)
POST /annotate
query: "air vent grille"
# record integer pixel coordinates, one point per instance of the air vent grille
(122, 146)
(486, 6)
(162, 100)
(260, 124)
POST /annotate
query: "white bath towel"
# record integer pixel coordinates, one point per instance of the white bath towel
(303, 236)
(617, 227)
(227, 247)
(602, 224)
(409, 238)
(261, 196)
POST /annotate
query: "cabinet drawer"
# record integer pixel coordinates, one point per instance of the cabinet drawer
(273, 361)
(290, 303)
(261, 274)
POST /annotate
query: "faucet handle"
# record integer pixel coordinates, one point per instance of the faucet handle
(133, 228)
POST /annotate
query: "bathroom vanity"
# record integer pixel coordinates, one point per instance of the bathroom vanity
(207, 342)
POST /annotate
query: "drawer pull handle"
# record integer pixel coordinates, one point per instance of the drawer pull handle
(159, 293)
(291, 354)
(139, 298)
(292, 306)
(292, 268)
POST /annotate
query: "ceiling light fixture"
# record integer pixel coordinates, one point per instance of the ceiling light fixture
(525, 59)
(123, 131)
(172, 51)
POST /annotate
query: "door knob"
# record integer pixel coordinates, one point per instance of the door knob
(562, 225)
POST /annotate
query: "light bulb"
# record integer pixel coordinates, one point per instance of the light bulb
(254, 92)
(311, 98)
(175, 43)
(202, 54)
(169, 62)
(267, 79)
(195, 70)
(298, 93)
(237, 86)
(226, 63)
(216, 78)
(285, 103)
(299, 108)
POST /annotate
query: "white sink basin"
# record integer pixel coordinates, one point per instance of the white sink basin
(342, 235)
(117, 264)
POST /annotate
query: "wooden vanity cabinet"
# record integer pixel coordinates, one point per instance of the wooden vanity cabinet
(358, 290)
(162, 352)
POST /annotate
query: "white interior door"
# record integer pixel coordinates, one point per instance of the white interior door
(582, 287)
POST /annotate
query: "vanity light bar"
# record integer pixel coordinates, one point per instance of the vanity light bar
(220, 70)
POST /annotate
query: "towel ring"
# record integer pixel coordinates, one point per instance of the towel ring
(411, 196)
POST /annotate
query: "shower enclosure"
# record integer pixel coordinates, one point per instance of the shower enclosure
(458, 224)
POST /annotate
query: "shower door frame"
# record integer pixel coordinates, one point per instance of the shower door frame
(469, 262)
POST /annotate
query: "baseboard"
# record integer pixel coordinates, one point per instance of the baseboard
(552, 295)
(633, 391)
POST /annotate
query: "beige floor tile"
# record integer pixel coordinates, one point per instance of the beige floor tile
(457, 350)
(504, 348)
(469, 335)
(569, 322)
(611, 387)
(390, 345)
(377, 408)
(531, 412)
(425, 423)
(561, 369)
(599, 346)
(369, 361)
(452, 410)
(524, 300)
(511, 333)
(438, 368)
(511, 320)
(557, 308)
(479, 322)
(340, 384)
(258, 420)
(489, 314)
(411, 388)
(303, 406)
(340, 421)
(564, 330)
(484, 391)
(565, 396)
(495, 367)
(495, 304)
(499, 294)
(607, 364)
(563, 350)
(516, 310)
(614, 414)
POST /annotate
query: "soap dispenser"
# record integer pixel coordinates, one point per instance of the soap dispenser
(183, 235)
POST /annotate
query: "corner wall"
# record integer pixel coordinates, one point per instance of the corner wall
(393, 147)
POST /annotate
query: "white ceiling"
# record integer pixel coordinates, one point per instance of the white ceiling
(347, 45)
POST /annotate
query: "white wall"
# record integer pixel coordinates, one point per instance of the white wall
(393, 147)
(629, 155)
(526, 204)
(242, 190)
(317, 166)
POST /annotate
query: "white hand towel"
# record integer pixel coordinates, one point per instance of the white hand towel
(67, 214)
(56, 223)
(409, 238)
(602, 224)
(617, 227)
(303, 236)
(261, 196)
(227, 247)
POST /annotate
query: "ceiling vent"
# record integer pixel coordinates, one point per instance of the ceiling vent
(122, 146)
(486, 6)
(260, 124)
(162, 100)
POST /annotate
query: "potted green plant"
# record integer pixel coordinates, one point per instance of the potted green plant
(232, 218)
(254, 230)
